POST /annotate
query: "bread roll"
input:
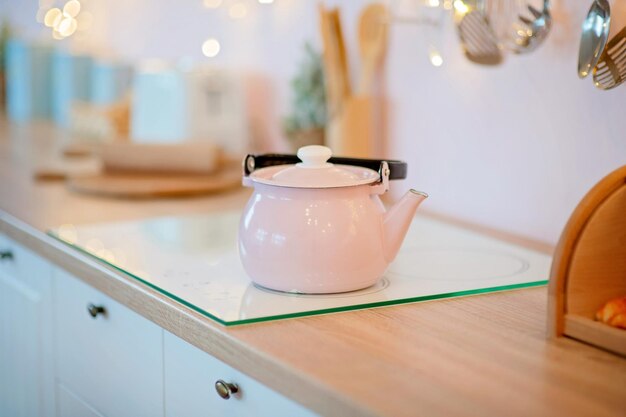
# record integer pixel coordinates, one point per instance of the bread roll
(613, 313)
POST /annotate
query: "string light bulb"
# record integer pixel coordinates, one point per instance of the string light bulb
(211, 47)
(64, 21)
(67, 27)
(460, 6)
(435, 57)
(52, 17)
(71, 8)
(212, 4)
(237, 11)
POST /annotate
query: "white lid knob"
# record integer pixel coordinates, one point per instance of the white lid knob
(314, 156)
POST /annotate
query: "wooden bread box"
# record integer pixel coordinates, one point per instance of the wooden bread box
(589, 266)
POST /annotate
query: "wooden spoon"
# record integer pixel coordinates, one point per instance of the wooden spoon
(373, 33)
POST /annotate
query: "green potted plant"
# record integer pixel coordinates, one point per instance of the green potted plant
(306, 123)
(5, 33)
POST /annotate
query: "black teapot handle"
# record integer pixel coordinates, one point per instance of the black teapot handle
(397, 169)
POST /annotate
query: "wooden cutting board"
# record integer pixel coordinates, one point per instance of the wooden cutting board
(155, 185)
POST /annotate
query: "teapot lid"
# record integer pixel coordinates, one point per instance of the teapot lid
(314, 172)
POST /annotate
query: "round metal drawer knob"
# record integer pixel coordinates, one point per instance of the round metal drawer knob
(225, 389)
(95, 310)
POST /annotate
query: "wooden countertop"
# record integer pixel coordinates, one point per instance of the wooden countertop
(481, 355)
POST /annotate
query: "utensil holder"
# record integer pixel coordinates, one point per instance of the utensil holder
(357, 127)
(589, 266)
(358, 131)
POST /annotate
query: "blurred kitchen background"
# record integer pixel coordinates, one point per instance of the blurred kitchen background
(512, 146)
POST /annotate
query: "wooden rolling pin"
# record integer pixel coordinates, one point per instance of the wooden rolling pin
(200, 158)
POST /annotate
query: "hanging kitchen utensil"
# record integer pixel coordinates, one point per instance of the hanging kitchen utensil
(477, 37)
(594, 36)
(519, 26)
(503, 15)
(533, 30)
(611, 69)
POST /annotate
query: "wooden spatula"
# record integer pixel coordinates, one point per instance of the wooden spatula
(344, 77)
(335, 62)
(336, 74)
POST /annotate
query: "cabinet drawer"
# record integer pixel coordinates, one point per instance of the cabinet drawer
(18, 262)
(190, 377)
(113, 361)
(26, 338)
(71, 405)
(7, 256)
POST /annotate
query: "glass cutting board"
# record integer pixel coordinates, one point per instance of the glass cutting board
(194, 261)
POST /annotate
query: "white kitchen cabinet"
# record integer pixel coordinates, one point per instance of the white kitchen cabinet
(71, 405)
(112, 361)
(56, 359)
(26, 343)
(190, 391)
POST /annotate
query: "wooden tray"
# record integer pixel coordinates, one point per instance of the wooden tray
(151, 185)
(589, 266)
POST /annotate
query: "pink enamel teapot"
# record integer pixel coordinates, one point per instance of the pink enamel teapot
(318, 226)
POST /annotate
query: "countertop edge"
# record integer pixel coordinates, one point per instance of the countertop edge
(184, 322)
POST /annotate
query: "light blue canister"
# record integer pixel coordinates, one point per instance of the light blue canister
(71, 75)
(29, 82)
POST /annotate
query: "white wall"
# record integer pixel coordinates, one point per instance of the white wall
(513, 147)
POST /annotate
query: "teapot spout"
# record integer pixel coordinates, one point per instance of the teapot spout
(397, 220)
